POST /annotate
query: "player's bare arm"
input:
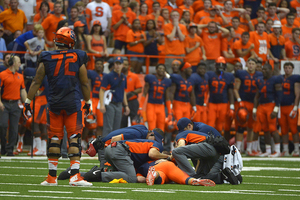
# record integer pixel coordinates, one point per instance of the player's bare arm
(85, 87)
(237, 85)
(116, 138)
(180, 143)
(278, 92)
(101, 99)
(125, 102)
(155, 154)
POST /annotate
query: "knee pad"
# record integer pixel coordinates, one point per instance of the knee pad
(75, 144)
(50, 145)
(241, 129)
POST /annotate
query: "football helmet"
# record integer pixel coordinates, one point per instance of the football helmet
(138, 119)
(242, 115)
(220, 63)
(65, 37)
(170, 125)
(91, 122)
(28, 123)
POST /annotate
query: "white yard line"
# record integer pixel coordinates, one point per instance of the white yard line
(279, 177)
(46, 191)
(8, 192)
(54, 197)
(104, 191)
(287, 190)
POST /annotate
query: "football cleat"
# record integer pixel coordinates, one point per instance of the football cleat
(264, 154)
(275, 155)
(20, 147)
(295, 153)
(228, 176)
(203, 182)
(151, 176)
(50, 181)
(77, 180)
(285, 154)
(34, 151)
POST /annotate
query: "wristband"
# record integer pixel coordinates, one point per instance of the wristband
(254, 110)
(295, 108)
(231, 106)
(276, 109)
(239, 100)
(27, 101)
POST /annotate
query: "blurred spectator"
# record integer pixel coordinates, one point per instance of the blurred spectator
(101, 12)
(143, 15)
(272, 9)
(136, 39)
(230, 11)
(86, 13)
(12, 90)
(187, 6)
(50, 24)
(121, 23)
(134, 6)
(10, 46)
(209, 37)
(39, 3)
(166, 15)
(34, 47)
(175, 34)
(237, 29)
(175, 66)
(269, 24)
(292, 46)
(28, 6)
(243, 48)
(203, 13)
(226, 48)
(288, 27)
(185, 19)
(213, 16)
(68, 5)
(62, 23)
(296, 21)
(13, 19)
(261, 17)
(43, 12)
(74, 17)
(2, 43)
(194, 47)
(96, 43)
(153, 38)
(261, 42)
(296, 4)
(255, 5)
(284, 4)
(245, 20)
(80, 36)
(155, 15)
(4, 65)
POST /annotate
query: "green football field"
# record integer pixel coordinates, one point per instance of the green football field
(263, 178)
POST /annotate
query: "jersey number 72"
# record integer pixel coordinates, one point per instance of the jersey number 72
(67, 59)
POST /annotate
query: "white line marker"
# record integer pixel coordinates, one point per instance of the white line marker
(41, 158)
(270, 168)
(286, 190)
(103, 191)
(7, 192)
(251, 190)
(252, 176)
(58, 192)
(23, 175)
(37, 168)
(159, 191)
(54, 197)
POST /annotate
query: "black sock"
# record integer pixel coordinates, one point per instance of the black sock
(52, 172)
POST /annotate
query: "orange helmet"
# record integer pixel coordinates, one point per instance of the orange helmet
(242, 115)
(65, 37)
(221, 59)
(138, 119)
(91, 122)
(170, 125)
(28, 123)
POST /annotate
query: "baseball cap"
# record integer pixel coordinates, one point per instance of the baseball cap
(176, 62)
(78, 24)
(97, 22)
(277, 24)
(118, 59)
(182, 123)
(158, 137)
(192, 25)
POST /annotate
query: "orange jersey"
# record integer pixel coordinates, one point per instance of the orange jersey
(261, 44)
(175, 47)
(195, 56)
(244, 24)
(135, 36)
(226, 46)
(198, 5)
(206, 20)
(238, 33)
(212, 51)
(111, 3)
(296, 22)
(50, 24)
(97, 45)
(287, 32)
(133, 83)
(295, 4)
(143, 21)
(121, 32)
(190, 9)
(292, 50)
(38, 5)
(230, 16)
(160, 21)
(12, 21)
(238, 45)
(37, 17)
(200, 15)
(12, 83)
(88, 16)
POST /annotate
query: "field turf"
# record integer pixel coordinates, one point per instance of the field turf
(263, 178)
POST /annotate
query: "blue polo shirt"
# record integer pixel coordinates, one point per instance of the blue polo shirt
(22, 38)
(116, 83)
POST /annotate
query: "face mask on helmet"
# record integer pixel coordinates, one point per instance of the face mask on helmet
(220, 66)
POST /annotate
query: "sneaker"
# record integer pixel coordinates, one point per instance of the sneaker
(20, 147)
(264, 154)
(77, 180)
(295, 153)
(228, 175)
(151, 176)
(34, 151)
(39, 153)
(275, 155)
(203, 182)
(285, 154)
(50, 181)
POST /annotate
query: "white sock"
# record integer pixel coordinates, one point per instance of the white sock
(44, 145)
(296, 145)
(20, 138)
(38, 142)
(277, 147)
(285, 147)
(254, 145)
(239, 145)
(249, 146)
(34, 143)
(268, 148)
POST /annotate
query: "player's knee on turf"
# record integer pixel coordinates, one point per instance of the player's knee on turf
(74, 151)
(53, 150)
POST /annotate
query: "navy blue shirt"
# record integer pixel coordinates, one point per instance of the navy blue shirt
(117, 84)
(2, 68)
(204, 128)
(22, 38)
(200, 87)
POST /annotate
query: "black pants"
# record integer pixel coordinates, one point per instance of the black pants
(134, 107)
